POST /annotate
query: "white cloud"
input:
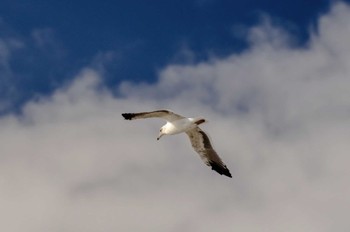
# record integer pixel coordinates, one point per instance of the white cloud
(278, 115)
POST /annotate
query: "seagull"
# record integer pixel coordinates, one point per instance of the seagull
(178, 124)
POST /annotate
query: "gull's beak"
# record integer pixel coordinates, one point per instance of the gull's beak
(160, 135)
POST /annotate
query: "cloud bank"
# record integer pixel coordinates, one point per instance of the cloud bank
(279, 116)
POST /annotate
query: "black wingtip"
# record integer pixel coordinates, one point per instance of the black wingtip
(128, 116)
(222, 170)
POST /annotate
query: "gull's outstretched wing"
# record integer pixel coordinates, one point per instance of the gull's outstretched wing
(201, 144)
(165, 114)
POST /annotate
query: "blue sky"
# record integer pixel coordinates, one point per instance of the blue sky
(133, 39)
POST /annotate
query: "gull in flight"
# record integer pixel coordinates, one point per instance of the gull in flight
(177, 124)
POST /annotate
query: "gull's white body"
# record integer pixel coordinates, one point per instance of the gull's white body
(178, 124)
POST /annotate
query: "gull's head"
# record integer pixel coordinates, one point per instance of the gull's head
(161, 133)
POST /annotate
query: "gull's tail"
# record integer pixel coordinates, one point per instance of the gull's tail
(200, 121)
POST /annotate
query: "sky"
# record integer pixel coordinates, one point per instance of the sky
(46, 43)
(272, 78)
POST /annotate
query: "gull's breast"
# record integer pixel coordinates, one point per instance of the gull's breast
(179, 126)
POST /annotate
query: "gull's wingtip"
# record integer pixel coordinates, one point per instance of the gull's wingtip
(222, 170)
(127, 116)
